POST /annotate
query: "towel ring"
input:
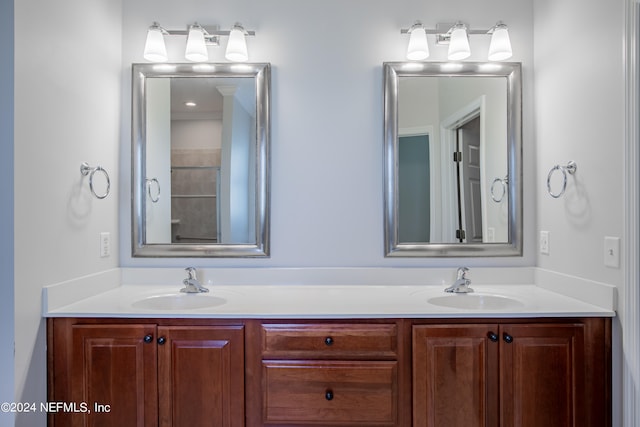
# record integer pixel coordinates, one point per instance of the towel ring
(149, 182)
(85, 170)
(570, 168)
(503, 181)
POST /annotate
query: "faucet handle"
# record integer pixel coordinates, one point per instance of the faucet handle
(462, 272)
(191, 271)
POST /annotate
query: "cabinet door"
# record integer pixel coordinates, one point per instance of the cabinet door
(113, 366)
(542, 375)
(201, 376)
(455, 380)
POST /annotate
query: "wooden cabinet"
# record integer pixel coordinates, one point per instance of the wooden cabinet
(327, 374)
(146, 374)
(454, 381)
(512, 374)
(330, 373)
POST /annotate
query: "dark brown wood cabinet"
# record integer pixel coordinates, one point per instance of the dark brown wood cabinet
(454, 380)
(512, 374)
(331, 373)
(146, 374)
(327, 374)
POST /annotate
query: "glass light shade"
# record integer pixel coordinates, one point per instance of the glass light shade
(237, 46)
(154, 48)
(500, 47)
(196, 48)
(459, 44)
(418, 48)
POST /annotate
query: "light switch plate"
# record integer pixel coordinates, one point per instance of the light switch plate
(544, 242)
(612, 252)
(105, 244)
(491, 234)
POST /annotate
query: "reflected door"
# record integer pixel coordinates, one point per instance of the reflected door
(414, 189)
(469, 188)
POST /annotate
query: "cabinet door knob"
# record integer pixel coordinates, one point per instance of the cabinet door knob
(328, 341)
(162, 340)
(328, 395)
(493, 337)
(148, 338)
(507, 338)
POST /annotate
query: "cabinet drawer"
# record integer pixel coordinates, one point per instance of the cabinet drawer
(330, 392)
(297, 341)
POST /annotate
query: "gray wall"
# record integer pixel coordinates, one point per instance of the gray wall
(327, 113)
(67, 111)
(72, 104)
(6, 210)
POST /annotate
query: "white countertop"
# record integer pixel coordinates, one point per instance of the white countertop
(311, 301)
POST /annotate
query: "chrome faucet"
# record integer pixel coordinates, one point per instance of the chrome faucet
(191, 283)
(461, 285)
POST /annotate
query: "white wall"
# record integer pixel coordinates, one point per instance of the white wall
(579, 109)
(6, 209)
(579, 115)
(67, 110)
(327, 113)
(72, 104)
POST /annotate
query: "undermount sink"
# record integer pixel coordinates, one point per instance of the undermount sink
(183, 301)
(475, 301)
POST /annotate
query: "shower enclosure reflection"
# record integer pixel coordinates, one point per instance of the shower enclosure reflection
(198, 130)
(200, 160)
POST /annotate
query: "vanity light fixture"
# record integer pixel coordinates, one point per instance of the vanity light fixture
(457, 37)
(237, 45)
(199, 37)
(418, 47)
(459, 43)
(196, 50)
(154, 48)
(500, 47)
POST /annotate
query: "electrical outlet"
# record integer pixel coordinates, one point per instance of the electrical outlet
(544, 242)
(612, 252)
(105, 245)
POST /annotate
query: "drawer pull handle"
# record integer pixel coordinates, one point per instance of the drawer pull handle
(148, 338)
(328, 341)
(507, 338)
(328, 395)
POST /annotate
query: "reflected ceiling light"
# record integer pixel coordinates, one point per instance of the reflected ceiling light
(418, 48)
(199, 37)
(154, 47)
(190, 104)
(459, 43)
(457, 37)
(237, 45)
(500, 47)
(196, 50)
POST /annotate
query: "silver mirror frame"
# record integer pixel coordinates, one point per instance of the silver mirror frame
(513, 73)
(261, 72)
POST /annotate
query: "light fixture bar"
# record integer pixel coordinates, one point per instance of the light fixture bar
(210, 30)
(500, 48)
(199, 37)
(445, 30)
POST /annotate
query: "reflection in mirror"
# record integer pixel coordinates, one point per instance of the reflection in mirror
(453, 159)
(200, 158)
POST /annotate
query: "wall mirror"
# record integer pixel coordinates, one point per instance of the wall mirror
(200, 178)
(453, 159)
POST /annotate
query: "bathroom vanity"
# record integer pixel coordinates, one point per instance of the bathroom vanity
(224, 366)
